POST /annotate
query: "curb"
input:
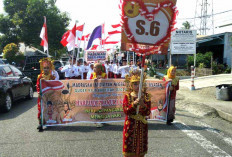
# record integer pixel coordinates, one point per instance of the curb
(224, 115)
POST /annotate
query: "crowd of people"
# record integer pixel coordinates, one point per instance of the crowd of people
(136, 109)
(74, 70)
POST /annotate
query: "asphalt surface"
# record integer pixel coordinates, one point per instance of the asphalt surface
(190, 135)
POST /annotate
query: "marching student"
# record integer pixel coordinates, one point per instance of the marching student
(85, 69)
(70, 69)
(107, 66)
(90, 71)
(79, 74)
(171, 76)
(111, 68)
(116, 70)
(46, 68)
(124, 69)
(135, 131)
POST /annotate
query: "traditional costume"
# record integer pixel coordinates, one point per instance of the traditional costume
(45, 62)
(135, 131)
(175, 85)
(102, 75)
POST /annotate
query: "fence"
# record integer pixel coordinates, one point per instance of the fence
(203, 72)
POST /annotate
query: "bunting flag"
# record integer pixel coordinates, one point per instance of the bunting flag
(97, 33)
(114, 32)
(94, 47)
(44, 36)
(116, 25)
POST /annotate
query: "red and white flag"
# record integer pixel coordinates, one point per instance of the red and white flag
(51, 85)
(79, 31)
(68, 39)
(44, 36)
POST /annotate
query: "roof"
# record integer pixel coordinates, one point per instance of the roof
(206, 38)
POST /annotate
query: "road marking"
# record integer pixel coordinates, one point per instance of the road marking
(212, 130)
(201, 140)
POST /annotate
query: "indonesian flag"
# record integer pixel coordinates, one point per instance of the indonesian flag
(51, 85)
(68, 39)
(79, 33)
(84, 37)
(44, 36)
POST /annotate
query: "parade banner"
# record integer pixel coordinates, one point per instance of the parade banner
(94, 56)
(95, 101)
(147, 25)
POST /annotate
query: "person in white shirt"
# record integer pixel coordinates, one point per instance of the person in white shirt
(125, 69)
(70, 69)
(107, 67)
(110, 73)
(90, 71)
(132, 66)
(55, 74)
(85, 69)
(116, 70)
(79, 74)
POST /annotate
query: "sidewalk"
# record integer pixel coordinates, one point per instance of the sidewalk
(205, 94)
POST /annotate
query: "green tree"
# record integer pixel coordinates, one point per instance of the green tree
(24, 21)
(186, 25)
(201, 58)
(10, 51)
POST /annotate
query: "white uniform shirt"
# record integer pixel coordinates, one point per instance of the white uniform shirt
(85, 69)
(55, 73)
(116, 69)
(69, 70)
(124, 70)
(111, 67)
(79, 71)
(90, 71)
(107, 67)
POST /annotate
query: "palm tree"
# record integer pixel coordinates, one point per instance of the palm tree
(186, 25)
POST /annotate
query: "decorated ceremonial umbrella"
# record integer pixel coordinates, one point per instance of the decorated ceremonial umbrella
(147, 27)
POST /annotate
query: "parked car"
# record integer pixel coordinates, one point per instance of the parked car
(5, 61)
(1, 62)
(58, 66)
(14, 85)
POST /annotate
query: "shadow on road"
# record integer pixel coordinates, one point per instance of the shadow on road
(82, 128)
(19, 107)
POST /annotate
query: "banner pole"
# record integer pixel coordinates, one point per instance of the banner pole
(41, 104)
(141, 82)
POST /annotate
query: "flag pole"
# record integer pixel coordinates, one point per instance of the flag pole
(141, 82)
(45, 21)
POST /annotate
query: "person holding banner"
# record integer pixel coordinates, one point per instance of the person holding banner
(98, 74)
(46, 68)
(135, 132)
(171, 76)
(111, 69)
(70, 70)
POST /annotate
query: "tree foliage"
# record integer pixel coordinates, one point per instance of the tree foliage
(10, 51)
(201, 58)
(186, 25)
(25, 19)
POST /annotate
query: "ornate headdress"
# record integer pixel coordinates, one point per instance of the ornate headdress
(46, 62)
(134, 76)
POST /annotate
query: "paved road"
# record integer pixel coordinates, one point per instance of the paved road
(188, 136)
(208, 81)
